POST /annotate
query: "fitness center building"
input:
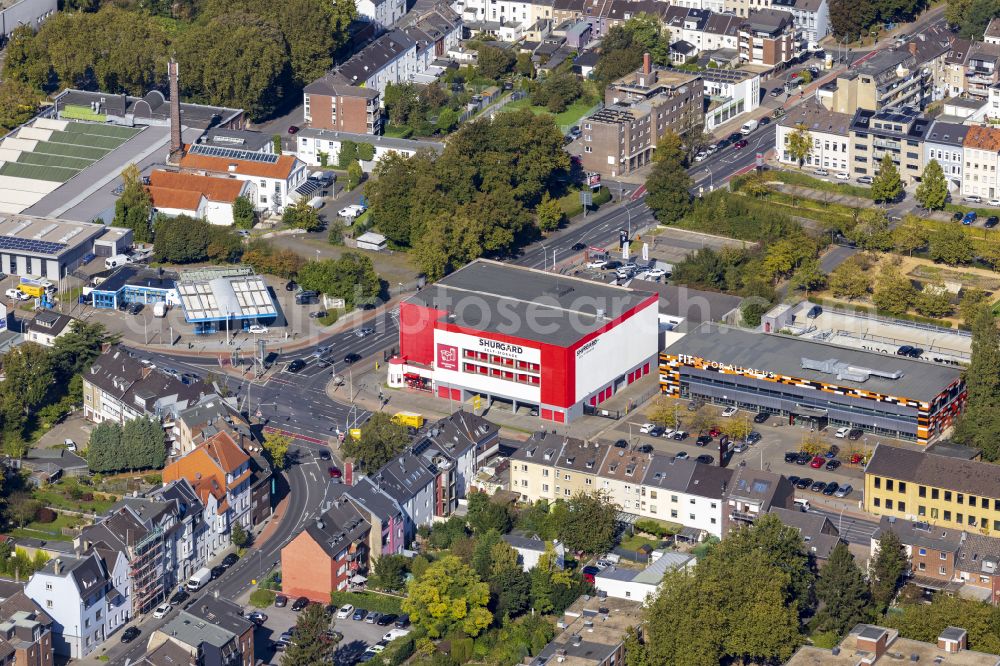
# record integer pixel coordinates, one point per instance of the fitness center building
(526, 338)
(813, 384)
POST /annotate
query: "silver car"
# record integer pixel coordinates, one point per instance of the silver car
(843, 491)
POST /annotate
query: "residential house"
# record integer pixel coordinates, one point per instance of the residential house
(992, 34)
(730, 93)
(640, 108)
(434, 32)
(768, 38)
(46, 326)
(932, 49)
(72, 591)
(387, 535)
(941, 490)
(334, 103)
(605, 14)
(168, 653)
(685, 492)
(898, 133)
(944, 142)
(382, 13)
(889, 79)
(411, 485)
(641, 585)
(392, 58)
(200, 422)
(530, 550)
(212, 630)
(318, 147)
(188, 540)
(982, 156)
(621, 473)
(818, 532)
(119, 388)
(828, 130)
(952, 83)
(714, 6)
(328, 552)
(812, 19)
(869, 644)
(221, 475)
(705, 30)
(209, 198)
(982, 69)
(592, 633)
(26, 632)
(752, 493)
(276, 177)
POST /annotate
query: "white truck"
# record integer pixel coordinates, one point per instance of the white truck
(748, 127)
(116, 261)
(199, 579)
(160, 309)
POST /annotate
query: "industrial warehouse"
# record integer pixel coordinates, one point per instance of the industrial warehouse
(526, 338)
(813, 384)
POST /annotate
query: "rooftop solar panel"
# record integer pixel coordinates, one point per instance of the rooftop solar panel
(233, 153)
(30, 245)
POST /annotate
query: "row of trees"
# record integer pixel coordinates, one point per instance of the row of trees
(624, 45)
(752, 595)
(979, 425)
(139, 444)
(478, 198)
(855, 18)
(249, 54)
(971, 16)
(352, 277)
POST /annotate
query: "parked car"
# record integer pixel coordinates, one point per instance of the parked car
(230, 559)
(346, 611)
(134, 308)
(621, 444)
(821, 172)
(843, 175)
(646, 427)
(679, 436)
(741, 144)
(130, 634)
(855, 434)
(973, 199)
(993, 203)
(791, 456)
(703, 440)
(292, 129)
(179, 597)
(740, 447)
(257, 329)
(280, 601)
(658, 432)
(257, 617)
(761, 417)
(352, 358)
(359, 614)
(832, 452)
(162, 610)
(403, 621)
(753, 437)
(385, 620)
(291, 285)
(776, 92)
(818, 487)
(793, 480)
(909, 350)
(334, 472)
(803, 458)
(373, 617)
(843, 491)
(318, 314)
(831, 488)
(865, 180)
(956, 217)
(729, 411)
(705, 459)
(969, 218)
(683, 455)
(714, 432)
(700, 156)
(579, 247)
(597, 263)
(803, 483)
(217, 571)
(817, 462)
(842, 432)
(300, 603)
(991, 221)
(831, 465)
(645, 448)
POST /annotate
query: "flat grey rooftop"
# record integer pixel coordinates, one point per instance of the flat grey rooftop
(783, 355)
(527, 303)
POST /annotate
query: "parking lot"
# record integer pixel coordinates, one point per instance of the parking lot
(777, 439)
(357, 636)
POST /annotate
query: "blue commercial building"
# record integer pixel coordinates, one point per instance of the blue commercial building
(130, 284)
(225, 298)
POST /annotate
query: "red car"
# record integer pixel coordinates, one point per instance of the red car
(714, 432)
(817, 462)
(742, 143)
(855, 458)
(292, 129)
(334, 472)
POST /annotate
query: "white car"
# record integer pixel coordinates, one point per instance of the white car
(346, 611)
(843, 175)
(645, 428)
(729, 411)
(70, 444)
(352, 211)
(973, 199)
(257, 328)
(599, 263)
(821, 172)
(842, 432)
(162, 610)
(993, 203)
(700, 156)
(17, 295)
(654, 273)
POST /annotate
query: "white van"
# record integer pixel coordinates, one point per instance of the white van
(395, 633)
(802, 504)
(116, 261)
(749, 126)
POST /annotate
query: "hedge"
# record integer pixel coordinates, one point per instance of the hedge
(262, 598)
(864, 309)
(369, 601)
(659, 528)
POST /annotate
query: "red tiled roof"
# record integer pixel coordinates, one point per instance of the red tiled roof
(213, 187)
(282, 168)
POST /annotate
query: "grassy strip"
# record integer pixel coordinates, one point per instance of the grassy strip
(805, 180)
(370, 602)
(981, 212)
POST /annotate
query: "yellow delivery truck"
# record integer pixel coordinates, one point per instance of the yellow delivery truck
(409, 419)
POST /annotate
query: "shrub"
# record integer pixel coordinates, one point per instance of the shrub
(657, 528)
(45, 515)
(398, 650)
(153, 479)
(262, 598)
(373, 602)
(461, 649)
(84, 497)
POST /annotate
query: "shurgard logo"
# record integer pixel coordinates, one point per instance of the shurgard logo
(447, 357)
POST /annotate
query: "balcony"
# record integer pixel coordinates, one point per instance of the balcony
(743, 516)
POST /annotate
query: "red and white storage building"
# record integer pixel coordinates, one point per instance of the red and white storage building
(527, 338)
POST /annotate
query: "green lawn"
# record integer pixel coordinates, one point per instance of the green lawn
(53, 496)
(635, 541)
(571, 116)
(47, 531)
(397, 131)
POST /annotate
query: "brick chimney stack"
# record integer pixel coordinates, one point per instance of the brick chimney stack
(647, 64)
(176, 144)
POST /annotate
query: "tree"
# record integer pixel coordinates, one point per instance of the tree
(887, 569)
(910, 235)
(354, 175)
(872, 230)
(448, 596)
(75, 351)
(300, 215)
(969, 306)
(893, 292)
(143, 442)
(134, 207)
(244, 216)
(25, 61)
(22, 508)
(849, 280)
(549, 213)
(104, 450)
(239, 536)
(663, 411)
(738, 428)
(494, 62)
(887, 186)
(389, 572)
(924, 622)
(800, 144)
(785, 255)
(510, 588)
(809, 276)
(28, 377)
(352, 277)
(979, 424)
(933, 300)
(484, 514)
(843, 591)
(18, 103)
(588, 523)
(276, 447)
(668, 185)
(381, 440)
(948, 243)
(314, 644)
(932, 192)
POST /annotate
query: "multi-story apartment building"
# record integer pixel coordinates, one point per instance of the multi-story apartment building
(641, 108)
(730, 94)
(210, 631)
(945, 559)
(392, 58)
(886, 80)
(768, 38)
(119, 388)
(387, 535)
(25, 632)
(551, 467)
(706, 30)
(685, 492)
(982, 69)
(828, 130)
(333, 103)
(812, 19)
(981, 149)
(751, 493)
(944, 143)
(221, 474)
(72, 591)
(187, 545)
(898, 133)
(941, 490)
(620, 476)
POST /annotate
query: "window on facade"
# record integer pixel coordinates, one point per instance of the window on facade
(921, 510)
(902, 486)
(923, 551)
(673, 514)
(947, 496)
(888, 504)
(901, 506)
(959, 517)
(922, 491)
(888, 484)
(878, 482)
